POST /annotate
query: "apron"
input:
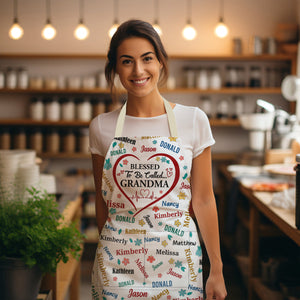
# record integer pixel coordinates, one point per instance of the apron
(149, 246)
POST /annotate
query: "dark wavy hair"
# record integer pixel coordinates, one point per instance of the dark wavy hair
(135, 28)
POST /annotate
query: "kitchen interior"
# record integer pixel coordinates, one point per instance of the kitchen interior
(246, 78)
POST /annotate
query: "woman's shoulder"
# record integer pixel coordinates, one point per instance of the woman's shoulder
(189, 112)
(105, 120)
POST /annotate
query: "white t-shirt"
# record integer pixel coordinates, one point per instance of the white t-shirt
(192, 125)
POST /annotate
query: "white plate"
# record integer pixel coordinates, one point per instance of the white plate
(280, 169)
(244, 169)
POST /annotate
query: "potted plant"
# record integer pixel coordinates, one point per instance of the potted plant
(32, 242)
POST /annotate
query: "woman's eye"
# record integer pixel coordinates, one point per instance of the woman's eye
(148, 58)
(126, 61)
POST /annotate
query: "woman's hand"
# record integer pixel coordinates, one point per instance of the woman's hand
(215, 287)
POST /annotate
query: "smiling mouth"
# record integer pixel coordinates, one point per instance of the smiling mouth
(140, 81)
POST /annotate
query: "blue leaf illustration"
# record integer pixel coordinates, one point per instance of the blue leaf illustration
(114, 144)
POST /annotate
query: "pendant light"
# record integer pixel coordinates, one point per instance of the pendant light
(48, 32)
(221, 30)
(115, 26)
(189, 32)
(155, 23)
(16, 31)
(81, 32)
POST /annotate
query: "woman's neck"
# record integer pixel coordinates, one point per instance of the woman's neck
(145, 107)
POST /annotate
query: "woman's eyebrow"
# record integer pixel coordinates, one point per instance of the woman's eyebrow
(128, 56)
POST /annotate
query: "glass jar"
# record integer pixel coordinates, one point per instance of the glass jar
(69, 141)
(223, 109)
(36, 109)
(189, 77)
(36, 140)
(202, 79)
(2, 79)
(5, 139)
(23, 79)
(215, 80)
(52, 109)
(84, 140)
(206, 106)
(297, 168)
(67, 109)
(231, 76)
(20, 139)
(11, 78)
(98, 107)
(83, 109)
(52, 141)
(255, 77)
(238, 106)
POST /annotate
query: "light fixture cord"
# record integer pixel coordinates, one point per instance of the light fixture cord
(81, 10)
(156, 9)
(48, 11)
(222, 10)
(15, 10)
(116, 11)
(189, 11)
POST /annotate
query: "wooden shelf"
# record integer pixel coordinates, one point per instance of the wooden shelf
(179, 90)
(29, 122)
(264, 292)
(65, 155)
(246, 57)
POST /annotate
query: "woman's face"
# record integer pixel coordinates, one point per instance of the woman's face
(138, 67)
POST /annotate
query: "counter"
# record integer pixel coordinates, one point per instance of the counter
(67, 276)
(282, 223)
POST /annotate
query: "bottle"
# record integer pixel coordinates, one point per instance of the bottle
(67, 109)
(202, 79)
(2, 79)
(36, 140)
(206, 106)
(238, 107)
(23, 79)
(36, 109)
(5, 139)
(297, 168)
(20, 139)
(223, 109)
(189, 77)
(69, 141)
(215, 80)
(11, 78)
(52, 141)
(98, 107)
(84, 140)
(52, 109)
(84, 110)
(255, 77)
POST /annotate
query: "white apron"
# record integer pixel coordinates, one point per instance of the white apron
(149, 246)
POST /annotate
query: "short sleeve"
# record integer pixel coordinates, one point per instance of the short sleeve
(95, 144)
(202, 134)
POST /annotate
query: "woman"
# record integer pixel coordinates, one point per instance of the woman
(147, 158)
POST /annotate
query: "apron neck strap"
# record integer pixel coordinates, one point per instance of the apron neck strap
(170, 115)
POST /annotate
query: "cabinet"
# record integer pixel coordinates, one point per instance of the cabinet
(68, 65)
(265, 242)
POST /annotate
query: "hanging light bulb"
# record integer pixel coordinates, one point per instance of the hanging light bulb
(81, 32)
(155, 23)
(189, 32)
(48, 32)
(221, 30)
(16, 31)
(115, 26)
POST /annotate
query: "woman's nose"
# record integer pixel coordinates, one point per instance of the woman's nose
(138, 68)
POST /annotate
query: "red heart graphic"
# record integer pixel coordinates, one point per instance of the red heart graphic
(176, 178)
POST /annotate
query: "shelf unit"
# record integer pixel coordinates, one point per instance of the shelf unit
(6, 58)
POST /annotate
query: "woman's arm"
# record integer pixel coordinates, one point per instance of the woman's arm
(204, 206)
(101, 208)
